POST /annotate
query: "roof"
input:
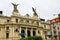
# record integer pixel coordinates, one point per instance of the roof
(55, 20)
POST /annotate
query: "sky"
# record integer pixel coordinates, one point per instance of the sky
(44, 8)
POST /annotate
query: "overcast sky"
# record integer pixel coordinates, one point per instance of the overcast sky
(45, 8)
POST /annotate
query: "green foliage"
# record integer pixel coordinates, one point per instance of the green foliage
(59, 15)
(33, 38)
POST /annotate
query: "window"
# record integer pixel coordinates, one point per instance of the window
(16, 20)
(7, 28)
(54, 32)
(27, 21)
(7, 35)
(37, 23)
(16, 30)
(38, 31)
(44, 26)
(34, 33)
(8, 20)
(53, 27)
(58, 28)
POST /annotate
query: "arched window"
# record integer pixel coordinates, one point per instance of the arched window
(34, 33)
(38, 31)
(28, 33)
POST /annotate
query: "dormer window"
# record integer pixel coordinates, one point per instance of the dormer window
(16, 20)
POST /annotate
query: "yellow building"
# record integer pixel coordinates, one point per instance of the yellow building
(11, 27)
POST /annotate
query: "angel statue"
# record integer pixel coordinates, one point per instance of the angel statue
(15, 7)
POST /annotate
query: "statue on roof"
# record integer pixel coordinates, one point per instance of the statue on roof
(34, 10)
(15, 7)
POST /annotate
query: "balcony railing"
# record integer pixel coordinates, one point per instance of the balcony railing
(22, 23)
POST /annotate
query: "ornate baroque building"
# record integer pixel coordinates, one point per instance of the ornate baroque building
(11, 27)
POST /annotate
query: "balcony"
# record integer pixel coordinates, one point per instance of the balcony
(30, 24)
(8, 22)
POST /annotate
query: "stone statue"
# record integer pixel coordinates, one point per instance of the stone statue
(34, 10)
(15, 7)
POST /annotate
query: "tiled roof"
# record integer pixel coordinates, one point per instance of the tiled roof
(55, 20)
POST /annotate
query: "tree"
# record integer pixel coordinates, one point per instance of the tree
(33, 38)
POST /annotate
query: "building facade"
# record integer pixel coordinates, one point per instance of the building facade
(11, 27)
(55, 28)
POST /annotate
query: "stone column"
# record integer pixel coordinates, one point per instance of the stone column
(20, 31)
(13, 33)
(31, 32)
(36, 32)
(26, 32)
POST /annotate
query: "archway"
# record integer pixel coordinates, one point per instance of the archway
(28, 33)
(34, 33)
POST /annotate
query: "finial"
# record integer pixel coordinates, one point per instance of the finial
(15, 7)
